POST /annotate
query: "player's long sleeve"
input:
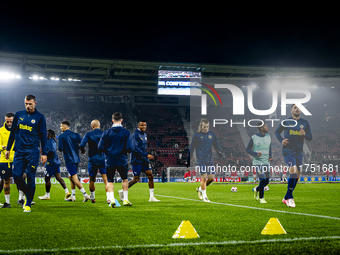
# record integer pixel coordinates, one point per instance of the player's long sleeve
(2, 143)
(60, 144)
(49, 152)
(192, 147)
(83, 142)
(278, 132)
(101, 144)
(13, 132)
(128, 142)
(79, 139)
(215, 144)
(43, 136)
(249, 148)
(308, 132)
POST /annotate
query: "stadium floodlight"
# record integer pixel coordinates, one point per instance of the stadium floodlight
(8, 76)
(253, 86)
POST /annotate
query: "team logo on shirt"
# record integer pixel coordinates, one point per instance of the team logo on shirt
(209, 136)
(25, 127)
(3, 172)
(32, 121)
(294, 132)
(301, 126)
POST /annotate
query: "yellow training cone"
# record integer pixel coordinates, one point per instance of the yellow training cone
(273, 227)
(185, 230)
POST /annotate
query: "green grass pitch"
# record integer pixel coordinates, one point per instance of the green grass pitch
(231, 224)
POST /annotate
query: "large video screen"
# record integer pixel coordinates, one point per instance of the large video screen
(177, 82)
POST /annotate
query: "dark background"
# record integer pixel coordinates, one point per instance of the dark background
(250, 40)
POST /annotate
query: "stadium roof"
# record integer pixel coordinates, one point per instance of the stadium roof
(115, 76)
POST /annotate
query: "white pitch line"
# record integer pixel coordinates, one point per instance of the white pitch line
(172, 244)
(256, 208)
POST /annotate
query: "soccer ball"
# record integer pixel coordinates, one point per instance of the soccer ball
(234, 189)
(266, 188)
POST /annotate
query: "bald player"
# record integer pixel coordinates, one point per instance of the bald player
(96, 161)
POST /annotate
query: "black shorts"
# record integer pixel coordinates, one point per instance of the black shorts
(122, 170)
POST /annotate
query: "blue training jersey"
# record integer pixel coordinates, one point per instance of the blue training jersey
(29, 132)
(139, 148)
(92, 139)
(292, 133)
(115, 143)
(52, 157)
(68, 143)
(203, 143)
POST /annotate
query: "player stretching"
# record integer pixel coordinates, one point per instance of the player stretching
(295, 130)
(115, 143)
(203, 141)
(140, 160)
(96, 159)
(259, 147)
(6, 164)
(52, 167)
(29, 132)
(68, 143)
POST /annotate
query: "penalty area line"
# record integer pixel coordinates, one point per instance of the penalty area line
(233, 242)
(256, 208)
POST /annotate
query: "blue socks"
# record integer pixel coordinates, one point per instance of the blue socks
(260, 188)
(292, 181)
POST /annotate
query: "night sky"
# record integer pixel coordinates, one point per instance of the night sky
(267, 41)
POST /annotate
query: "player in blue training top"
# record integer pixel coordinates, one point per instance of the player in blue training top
(115, 143)
(96, 159)
(296, 130)
(140, 160)
(203, 141)
(68, 143)
(52, 167)
(29, 133)
(259, 147)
